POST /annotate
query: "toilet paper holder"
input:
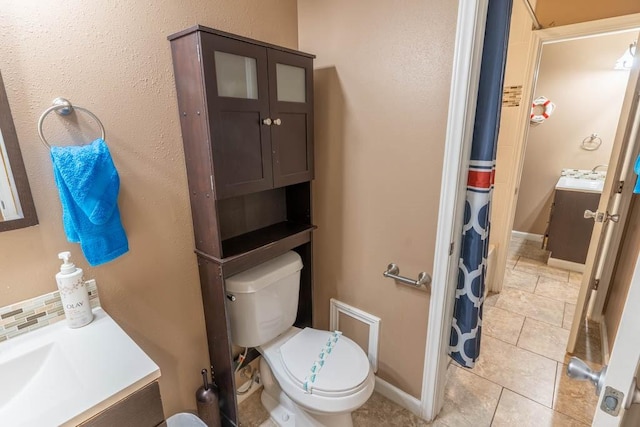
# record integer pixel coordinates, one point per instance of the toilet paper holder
(393, 272)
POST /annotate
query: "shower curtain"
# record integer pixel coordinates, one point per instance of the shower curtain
(464, 345)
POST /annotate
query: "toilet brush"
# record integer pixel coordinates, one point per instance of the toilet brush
(207, 401)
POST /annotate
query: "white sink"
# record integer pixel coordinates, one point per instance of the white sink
(580, 184)
(44, 369)
(59, 376)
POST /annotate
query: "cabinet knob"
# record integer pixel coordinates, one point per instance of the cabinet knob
(267, 121)
(277, 122)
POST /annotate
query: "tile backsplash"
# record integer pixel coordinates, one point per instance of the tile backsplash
(20, 318)
(585, 174)
(511, 96)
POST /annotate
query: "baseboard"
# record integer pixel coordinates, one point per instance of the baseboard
(398, 396)
(567, 265)
(527, 236)
(604, 342)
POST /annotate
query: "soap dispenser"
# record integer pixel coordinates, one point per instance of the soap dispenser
(73, 293)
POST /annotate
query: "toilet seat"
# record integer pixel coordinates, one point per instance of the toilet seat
(331, 394)
(344, 369)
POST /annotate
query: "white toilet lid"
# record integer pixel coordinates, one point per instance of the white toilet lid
(344, 370)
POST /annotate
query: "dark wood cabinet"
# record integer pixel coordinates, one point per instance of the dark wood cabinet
(292, 114)
(260, 107)
(142, 408)
(240, 142)
(246, 112)
(569, 232)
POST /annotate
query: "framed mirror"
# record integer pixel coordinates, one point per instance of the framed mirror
(16, 204)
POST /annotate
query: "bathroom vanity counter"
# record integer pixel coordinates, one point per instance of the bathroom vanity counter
(582, 180)
(578, 184)
(61, 376)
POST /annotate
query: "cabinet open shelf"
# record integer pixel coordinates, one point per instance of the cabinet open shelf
(255, 239)
(258, 246)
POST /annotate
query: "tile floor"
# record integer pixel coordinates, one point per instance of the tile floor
(520, 378)
(378, 411)
(525, 333)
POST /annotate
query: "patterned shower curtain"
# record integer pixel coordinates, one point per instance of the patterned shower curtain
(464, 345)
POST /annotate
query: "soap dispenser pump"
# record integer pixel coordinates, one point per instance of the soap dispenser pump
(73, 293)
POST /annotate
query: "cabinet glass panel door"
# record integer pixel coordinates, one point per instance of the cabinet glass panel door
(291, 109)
(291, 83)
(237, 96)
(236, 76)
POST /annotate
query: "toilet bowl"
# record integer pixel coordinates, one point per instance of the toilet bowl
(311, 377)
(344, 384)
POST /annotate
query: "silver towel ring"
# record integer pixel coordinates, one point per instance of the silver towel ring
(591, 143)
(63, 107)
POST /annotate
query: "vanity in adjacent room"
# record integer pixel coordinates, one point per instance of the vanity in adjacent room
(569, 232)
(246, 112)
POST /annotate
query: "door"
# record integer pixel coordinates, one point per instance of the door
(291, 106)
(237, 93)
(615, 235)
(609, 212)
(617, 382)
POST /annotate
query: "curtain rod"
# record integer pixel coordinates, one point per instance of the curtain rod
(536, 23)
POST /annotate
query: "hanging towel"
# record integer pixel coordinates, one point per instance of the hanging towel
(88, 184)
(636, 169)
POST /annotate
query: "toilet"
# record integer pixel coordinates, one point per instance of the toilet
(310, 377)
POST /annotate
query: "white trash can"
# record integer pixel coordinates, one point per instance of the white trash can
(184, 419)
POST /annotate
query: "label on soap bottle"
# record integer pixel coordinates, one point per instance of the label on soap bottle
(75, 300)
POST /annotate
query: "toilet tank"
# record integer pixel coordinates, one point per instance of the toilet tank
(262, 302)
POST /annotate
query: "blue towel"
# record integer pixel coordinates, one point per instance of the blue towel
(88, 184)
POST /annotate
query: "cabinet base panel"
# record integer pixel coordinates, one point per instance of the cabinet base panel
(567, 265)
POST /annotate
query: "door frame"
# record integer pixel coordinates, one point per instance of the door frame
(467, 57)
(461, 115)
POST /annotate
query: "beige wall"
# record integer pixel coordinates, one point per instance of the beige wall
(554, 13)
(621, 279)
(114, 59)
(382, 84)
(578, 76)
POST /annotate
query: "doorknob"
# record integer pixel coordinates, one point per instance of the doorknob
(601, 216)
(277, 122)
(578, 370)
(267, 121)
(612, 399)
(590, 214)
